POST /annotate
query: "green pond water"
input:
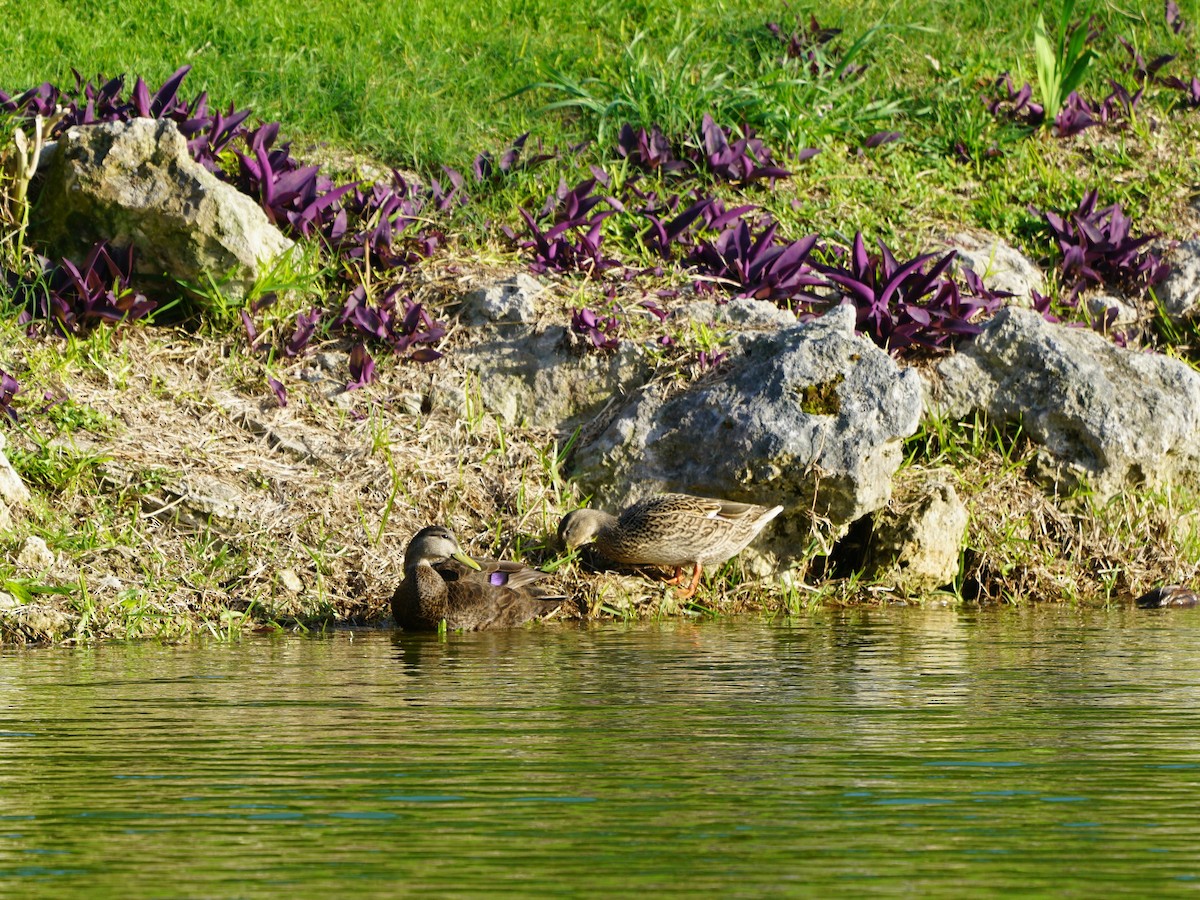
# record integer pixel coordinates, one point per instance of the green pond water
(913, 752)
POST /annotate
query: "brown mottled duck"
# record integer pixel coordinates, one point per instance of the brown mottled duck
(671, 530)
(442, 583)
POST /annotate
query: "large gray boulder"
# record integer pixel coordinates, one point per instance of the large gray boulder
(810, 416)
(1112, 417)
(135, 183)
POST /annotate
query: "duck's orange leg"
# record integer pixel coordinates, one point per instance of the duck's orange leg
(677, 578)
(695, 583)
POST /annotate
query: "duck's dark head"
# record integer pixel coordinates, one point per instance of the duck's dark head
(432, 545)
(580, 527)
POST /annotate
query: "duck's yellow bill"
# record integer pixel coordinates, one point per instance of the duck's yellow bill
(466, 560)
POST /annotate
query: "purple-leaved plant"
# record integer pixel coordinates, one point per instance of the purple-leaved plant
(487, 168)
(395, 321)
(744, 160)
(9, 388)
(755, 265)
(1137, 66)
(1175, 21)
(1099, 248)
(362, 367)
(648, 149)
(737, 160)
(306, 327)
(77, 297)
(574, 240)
(879, 138)
(1190, 90)
(1015, 105)
(812, 46)
(277, 388)
(904, 306)
(1075, 115)
(602, 331)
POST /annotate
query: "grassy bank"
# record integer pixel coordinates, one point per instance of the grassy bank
(896, 103)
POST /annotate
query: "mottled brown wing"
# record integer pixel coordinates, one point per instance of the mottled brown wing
(491, 573)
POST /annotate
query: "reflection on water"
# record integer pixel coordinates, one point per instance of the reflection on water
(929, 752)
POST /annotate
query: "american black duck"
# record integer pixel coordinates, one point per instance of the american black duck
(442, 583)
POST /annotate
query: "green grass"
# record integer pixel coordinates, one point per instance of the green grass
(424, 84)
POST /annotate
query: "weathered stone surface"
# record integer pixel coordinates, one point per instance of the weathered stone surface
(1118, 418)
(740, 312)
(811, 417)
(12, 489)
(917, 539)
(543, 377)
(36, 555)
(135, 183)
(1001, 266)
(290, 581)
(198, 499)
(34, 621)
(1180, 292)
(508, 300)
(1101, 306)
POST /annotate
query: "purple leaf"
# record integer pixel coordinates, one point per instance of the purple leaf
(881, 137)
(1099, 248)
(248, 324)
(1174, 20)
(362, 367)
(306, 325)
(164, 97)
(141, 98)
(278, 390)
(1076, 115)
(9, 388)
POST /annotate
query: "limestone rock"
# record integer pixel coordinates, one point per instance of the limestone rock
(740, 312)
(917, 539)
(544, 378)
(1101, 306)
(811, 417)
(1180, 292)
(1117, 418)
(135, 183)
(290, 581)
(511, 300)
(35, 622)
(12, 489)
(36, 556)
(1001, 266)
